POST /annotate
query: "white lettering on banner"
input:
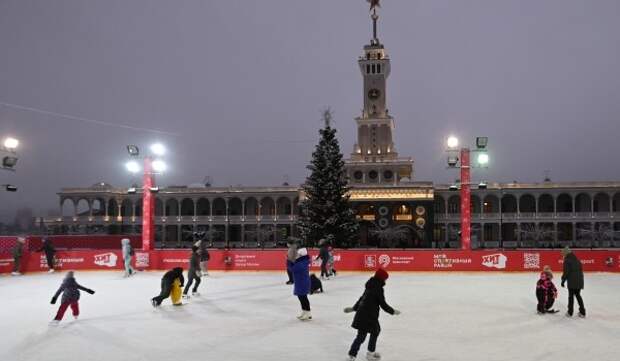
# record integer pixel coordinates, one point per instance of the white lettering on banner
(370, 261)
(245, 260)
(106, 259)
(176, 260)
(142, 259)
(384, 260)
(441, 260)
(6, 261)
(402, 260)
(531, 260)
(497, 260)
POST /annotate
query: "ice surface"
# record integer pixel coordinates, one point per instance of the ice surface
(251, 316)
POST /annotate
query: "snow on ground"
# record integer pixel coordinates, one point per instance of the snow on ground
(251, 316)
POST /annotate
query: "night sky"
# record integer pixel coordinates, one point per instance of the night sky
(235, 88)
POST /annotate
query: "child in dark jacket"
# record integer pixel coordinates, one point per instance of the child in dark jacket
(193, 273)
(546, 293)
(366, 319)
(70, 290)
(166, 285)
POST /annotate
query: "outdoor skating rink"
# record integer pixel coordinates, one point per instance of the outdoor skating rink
(251, 316)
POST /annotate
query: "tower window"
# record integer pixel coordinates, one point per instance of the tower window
(373, 68)
(367, 68)
(379, 68)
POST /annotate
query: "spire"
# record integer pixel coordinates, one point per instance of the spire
(373, 7)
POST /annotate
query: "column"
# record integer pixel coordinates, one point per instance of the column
(242, 213)
(574, 231)
(275, 210)
(195, 207)
(242, 233)
(555, 233)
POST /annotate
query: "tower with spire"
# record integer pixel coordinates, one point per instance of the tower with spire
(374, 159)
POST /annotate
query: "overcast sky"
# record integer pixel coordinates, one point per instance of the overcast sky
(238, 87)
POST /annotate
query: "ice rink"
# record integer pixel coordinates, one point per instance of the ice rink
(251, 316)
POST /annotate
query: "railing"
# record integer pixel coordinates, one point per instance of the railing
(527, 215)
(564, 215)
(545, 215)
(509, 216)
(583, 214)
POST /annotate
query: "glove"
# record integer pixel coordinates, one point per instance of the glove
(91, 292)
(53, 300)
(396, 312)
(348, 310)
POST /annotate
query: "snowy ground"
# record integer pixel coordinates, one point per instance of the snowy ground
(251, 316)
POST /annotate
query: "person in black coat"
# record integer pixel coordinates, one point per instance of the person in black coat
(48, 248)
(316, 286)
(166, 285)
(70, 290)
(573, 275)
(324, 256)
(193, 274)
(366, 319)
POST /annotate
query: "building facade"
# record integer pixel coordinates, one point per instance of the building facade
(393, 209)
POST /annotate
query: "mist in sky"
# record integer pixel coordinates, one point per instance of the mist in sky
(235, 88)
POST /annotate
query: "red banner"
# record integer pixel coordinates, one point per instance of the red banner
(345, 260)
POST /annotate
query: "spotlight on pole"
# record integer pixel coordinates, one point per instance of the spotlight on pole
(452, 161)
(133, 150)
(154, 189)
(483, 159)
(10, 188)
(481, 142)
(453, 187)
(158, 149)
(11, 143)
(9, 162)
(482, 185)
(131, 190)
(133, 166)
(453, 142)
(159, 166)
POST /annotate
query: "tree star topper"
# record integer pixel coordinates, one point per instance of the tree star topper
(373, 4)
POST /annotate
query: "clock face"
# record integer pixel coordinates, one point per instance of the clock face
(374, 93)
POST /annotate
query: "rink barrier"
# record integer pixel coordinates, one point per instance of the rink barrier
(345, 260)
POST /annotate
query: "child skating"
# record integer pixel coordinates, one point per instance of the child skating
(366, 319)
(546, 293)
(70, 290)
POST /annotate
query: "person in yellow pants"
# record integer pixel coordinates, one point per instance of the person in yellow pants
(171, 286)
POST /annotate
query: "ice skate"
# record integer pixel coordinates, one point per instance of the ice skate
(350, 358)
(373, 356)
(154, 303)
(16, 274)
(582, 315)
(552, 311)
(195, 293)
(568, 314)
(54, 322)
(51, 270)
(305, 316)
(186, 297)
(75, 317)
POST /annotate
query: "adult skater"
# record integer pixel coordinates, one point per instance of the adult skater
(301, 278)
(193, 274)
(291, 255)
(166, 285)
(48, 248)
(18, 252)
(324, 256)
(127, 256)
(70, 290)
(366, 319)
(573, 274)
(204, 255)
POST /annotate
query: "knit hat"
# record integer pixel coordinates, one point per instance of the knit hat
(381, 274)
(565, 251)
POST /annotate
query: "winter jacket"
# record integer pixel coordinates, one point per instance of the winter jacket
(194, 263)
(367, 307)
(324, 253)
(70, 290)
(18, 250)
(47, 247)
(291, 253)
(545, 287)
(301, 276)
(126, 246)
(173, 274)
(204, 252)
(573, 272)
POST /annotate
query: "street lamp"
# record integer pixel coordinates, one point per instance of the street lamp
(132, 166)
(9, 188)
(8, 155)
(462, 156)
(11, 143)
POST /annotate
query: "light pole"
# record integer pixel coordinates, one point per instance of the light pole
(151, 166)
(9, 153)
(460, 158)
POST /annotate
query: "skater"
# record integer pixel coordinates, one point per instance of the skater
(301, 278)
(70, 290)
(18, 252)
(331, 270)
(204, 254)
(127, 256)
(366, 319)
(49, 250)
(546, 293)
(291, 255)
(324, 256)
(573, 274)
(167, 282)
(316, 286)
(193, 274)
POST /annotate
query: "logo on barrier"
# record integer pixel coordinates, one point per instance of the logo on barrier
(370, 261)
(531, 260)
(384, 260)
(106, 259)
(497, 260)
(142, 259)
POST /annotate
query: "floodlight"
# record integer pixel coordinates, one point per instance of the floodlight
(452, 142)
(159, 166)
(131, 190)
(11, 143)
(10, 188)
(452, 160)
(9, 162)
(483, 159)
(482, 185)
(453, 187)
(481, 142)
(154, 189)
(133, 150)
(158, 149)
(133, 166)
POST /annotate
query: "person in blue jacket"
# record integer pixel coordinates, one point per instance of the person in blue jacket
(301, 277)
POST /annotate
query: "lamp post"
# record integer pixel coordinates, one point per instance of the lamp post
(463, 158)
(8, 153)
(151, 166)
